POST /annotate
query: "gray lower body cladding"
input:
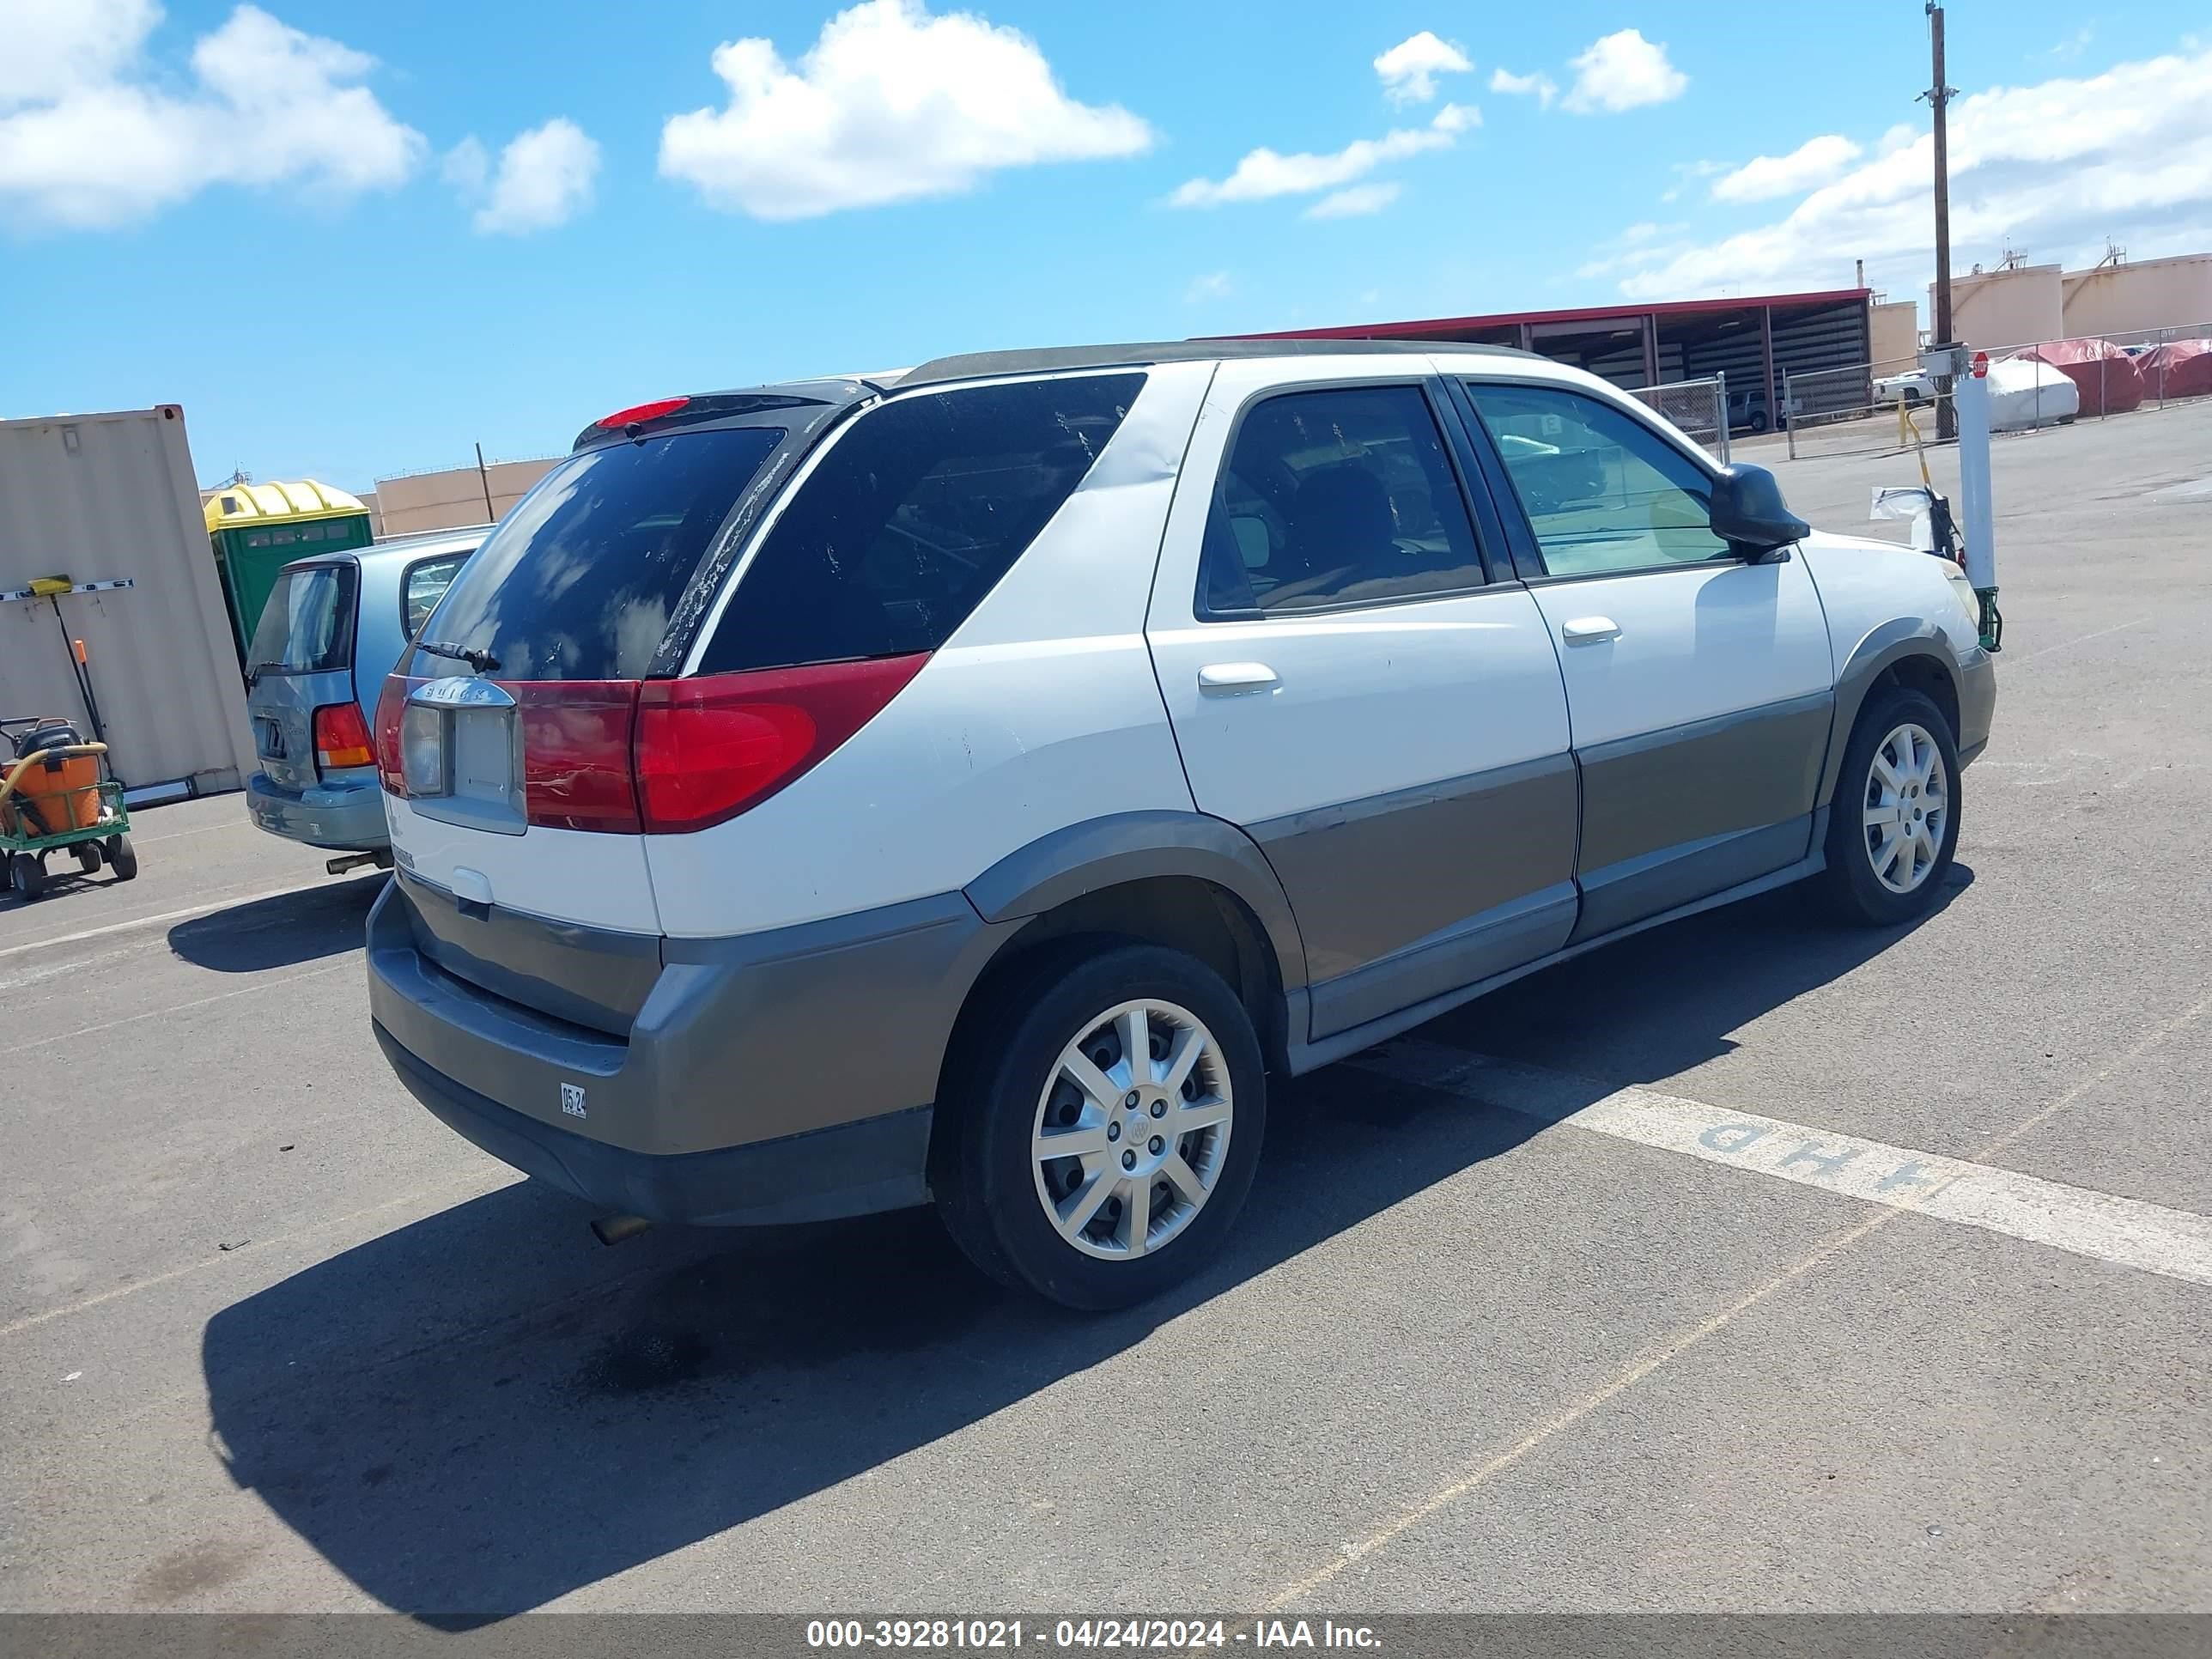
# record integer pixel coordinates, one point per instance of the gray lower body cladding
(1403, 896)
(766, 1043)
(855, 1169)
(1672, 816)
(1978, 705)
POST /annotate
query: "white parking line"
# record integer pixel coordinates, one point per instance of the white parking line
(267, 982)
(2079, 639)
(2175, 1243)
(184, 914)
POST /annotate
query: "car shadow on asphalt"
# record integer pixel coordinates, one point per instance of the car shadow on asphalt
(483, 1411)
(282, 930)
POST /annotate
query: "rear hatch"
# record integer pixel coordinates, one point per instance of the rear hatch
(507, 733)
(302, 659)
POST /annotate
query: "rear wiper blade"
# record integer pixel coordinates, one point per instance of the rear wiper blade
(482, 661)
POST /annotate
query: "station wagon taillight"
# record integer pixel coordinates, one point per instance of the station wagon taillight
(341, 737)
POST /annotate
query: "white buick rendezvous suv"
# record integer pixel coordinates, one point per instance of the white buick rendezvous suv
(971, 787)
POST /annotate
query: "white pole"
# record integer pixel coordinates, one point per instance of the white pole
(1977, 521)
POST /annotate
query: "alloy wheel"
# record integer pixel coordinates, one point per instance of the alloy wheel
(1132, 1129)
(1907, 808)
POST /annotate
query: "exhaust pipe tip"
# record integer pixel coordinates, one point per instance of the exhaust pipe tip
(614, 1229)
(349, 861)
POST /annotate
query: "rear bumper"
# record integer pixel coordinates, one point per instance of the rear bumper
(780, 1077)
(344, 818)
(854, 1169)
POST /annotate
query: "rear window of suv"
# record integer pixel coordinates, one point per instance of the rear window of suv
(307, 626)
(578, 582)
(911, 518)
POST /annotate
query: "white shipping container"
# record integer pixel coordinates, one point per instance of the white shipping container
(101, 498)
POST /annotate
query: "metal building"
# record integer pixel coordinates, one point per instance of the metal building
(1751, 340)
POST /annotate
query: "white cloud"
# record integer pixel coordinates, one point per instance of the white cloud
(1264, 173)
(91, 135)
(1409, 70)
(2074, 44)
(2055, 167)
(1212, 285)
(1537, 85)
(1359, 199)
(545, 178)
(890, 104)
(1813, 163)
(1623, 70)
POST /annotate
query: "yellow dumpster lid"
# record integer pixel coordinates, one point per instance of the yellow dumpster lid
(235, 504)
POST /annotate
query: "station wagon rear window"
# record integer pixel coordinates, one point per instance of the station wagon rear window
(578, 582)
(307, 626)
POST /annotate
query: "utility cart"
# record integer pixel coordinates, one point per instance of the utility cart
(54, 793)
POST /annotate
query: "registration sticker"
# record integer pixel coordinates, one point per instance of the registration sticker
(572, 1099)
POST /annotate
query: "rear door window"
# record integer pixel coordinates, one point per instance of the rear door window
(1336, 497)
(911, 518)
(579, 580)
(307, 626)
(423, 586)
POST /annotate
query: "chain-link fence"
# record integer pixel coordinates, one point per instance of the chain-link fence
(1857, 411)
(1854, 411)
(1697, 409)
(2120, 373)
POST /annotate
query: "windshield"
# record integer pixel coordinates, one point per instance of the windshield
(578, 582)
(307, 626)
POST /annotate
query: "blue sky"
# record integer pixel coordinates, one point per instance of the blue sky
(305, 224)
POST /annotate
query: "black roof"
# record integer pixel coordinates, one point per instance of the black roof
(812, 402)
(978, 365)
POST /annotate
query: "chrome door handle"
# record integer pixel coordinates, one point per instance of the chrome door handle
(1589, 630)
(1230, 679)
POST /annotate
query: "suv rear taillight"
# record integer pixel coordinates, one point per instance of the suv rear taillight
(341, 737)
(576, 741)
(391, 706)
(663, 757)
(709, 748)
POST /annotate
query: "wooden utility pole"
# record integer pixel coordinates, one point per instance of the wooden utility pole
(1939, 95)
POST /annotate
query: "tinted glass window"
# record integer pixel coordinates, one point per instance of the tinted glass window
(424, 585)
(307, 626)
(1603, 491)
(913, 516)
(577, 580)
(1336, 497)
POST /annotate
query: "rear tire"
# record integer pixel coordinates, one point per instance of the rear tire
(123, 857)
(88, 857)
(1146, 1191)
(29, 874)
(1893, 823)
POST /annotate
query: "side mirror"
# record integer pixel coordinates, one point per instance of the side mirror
(1750, 515)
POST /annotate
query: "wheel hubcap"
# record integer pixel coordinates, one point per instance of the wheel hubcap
(1132, 1129)
(1907, 808)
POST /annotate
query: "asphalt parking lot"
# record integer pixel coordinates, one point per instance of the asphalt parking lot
(1590, 1297)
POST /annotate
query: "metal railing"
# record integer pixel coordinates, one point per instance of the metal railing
(1697, 409)
(1852, 412)
(2120, 373)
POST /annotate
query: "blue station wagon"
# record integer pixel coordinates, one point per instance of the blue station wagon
(333, 627)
